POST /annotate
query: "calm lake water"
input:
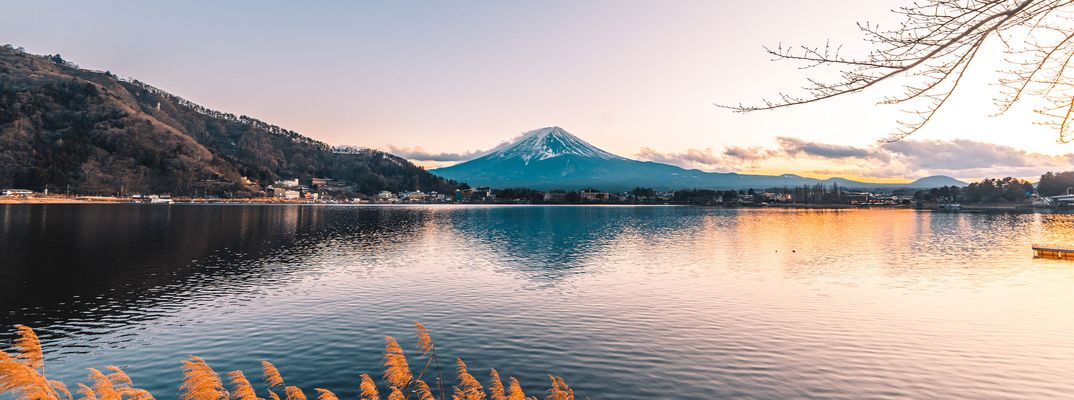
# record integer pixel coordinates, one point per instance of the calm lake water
(623, 302)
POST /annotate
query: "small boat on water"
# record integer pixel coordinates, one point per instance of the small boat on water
(950, 206)
(1053, 251)
(154, 199)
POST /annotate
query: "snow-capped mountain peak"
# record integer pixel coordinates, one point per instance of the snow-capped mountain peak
(547, 143)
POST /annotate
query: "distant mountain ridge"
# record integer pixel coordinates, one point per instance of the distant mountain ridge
(63, 127)
(552, 158)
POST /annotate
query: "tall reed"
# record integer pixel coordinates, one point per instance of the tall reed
(29, 348)
(423, 391)
(294, 393)
(23, 374)
(22, 377)
(560, 390)
(514, 391)
(469, 388)
(272, 375)
(496, 386)
(325, 394)
(368, 388)
(396, 369)
(396, 394)
(241, 389)
(425, 344)
(200, 381)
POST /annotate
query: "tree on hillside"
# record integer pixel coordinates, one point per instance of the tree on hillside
(1052, 184)
(931, 50)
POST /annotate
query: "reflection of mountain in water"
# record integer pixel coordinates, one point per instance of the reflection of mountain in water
(63, 264)
(553, 241)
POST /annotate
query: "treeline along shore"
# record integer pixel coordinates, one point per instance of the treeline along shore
(1007, 194)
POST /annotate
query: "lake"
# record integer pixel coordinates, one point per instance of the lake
(623, 302)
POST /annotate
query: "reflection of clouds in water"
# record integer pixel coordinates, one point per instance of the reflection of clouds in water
(709, 302)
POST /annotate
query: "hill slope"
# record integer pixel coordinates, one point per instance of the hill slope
(552, 158)
(61, 125)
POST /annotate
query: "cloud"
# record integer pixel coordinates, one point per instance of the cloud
(747, 154)
(706, 158)
(417, 153)
(902, 159)
(973, 159)
(795, 146)
(968, 154)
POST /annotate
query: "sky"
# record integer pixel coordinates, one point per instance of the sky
(438, 82)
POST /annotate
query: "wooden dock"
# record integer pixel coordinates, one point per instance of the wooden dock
(1053, 251)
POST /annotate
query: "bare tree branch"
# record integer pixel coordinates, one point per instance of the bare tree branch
(930, 51)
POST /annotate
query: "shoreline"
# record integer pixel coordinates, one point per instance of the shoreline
(59, 199)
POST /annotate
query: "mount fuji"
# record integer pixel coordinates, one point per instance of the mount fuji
(552, 158)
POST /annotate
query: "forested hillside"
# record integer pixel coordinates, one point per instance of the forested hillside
(63, 127)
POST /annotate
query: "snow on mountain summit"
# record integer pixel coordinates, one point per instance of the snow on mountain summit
(547, 143)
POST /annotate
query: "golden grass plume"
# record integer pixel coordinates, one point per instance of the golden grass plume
(294, 393)
(23, 381)
(325, 394)
(560, 390)
(423, 390)
(200, 382)
(118, 384)
(22, 378)
(514, 391)
(425, 342)
(29, 348)
(60, 388)
(368, 388)
(469, 388)
(118, 377)
(241, 389)
(103, 385)
(396, 369)
(86, 392)
(272, 375)
(496, 386)
(396, 395)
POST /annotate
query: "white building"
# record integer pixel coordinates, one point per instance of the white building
(18, 192)
(286, 183)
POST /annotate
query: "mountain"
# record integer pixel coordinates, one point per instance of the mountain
(937, 181)
(62, 126)
(552, 158)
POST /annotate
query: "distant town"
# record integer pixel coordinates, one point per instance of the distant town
(1009, 193)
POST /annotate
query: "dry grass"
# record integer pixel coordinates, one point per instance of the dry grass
(560, 390)
(423, 391)
(241, 389)
(200, 382)
(425, 342)
(514, 391)
(294, 393)
(496, 386)
(368, 388)
(469, 388)
(28, 348)
(396, 369)
(396, 395)
(272, 375)
(325, 394)
(22, 377)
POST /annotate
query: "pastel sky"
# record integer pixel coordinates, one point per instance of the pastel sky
(438, 81)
